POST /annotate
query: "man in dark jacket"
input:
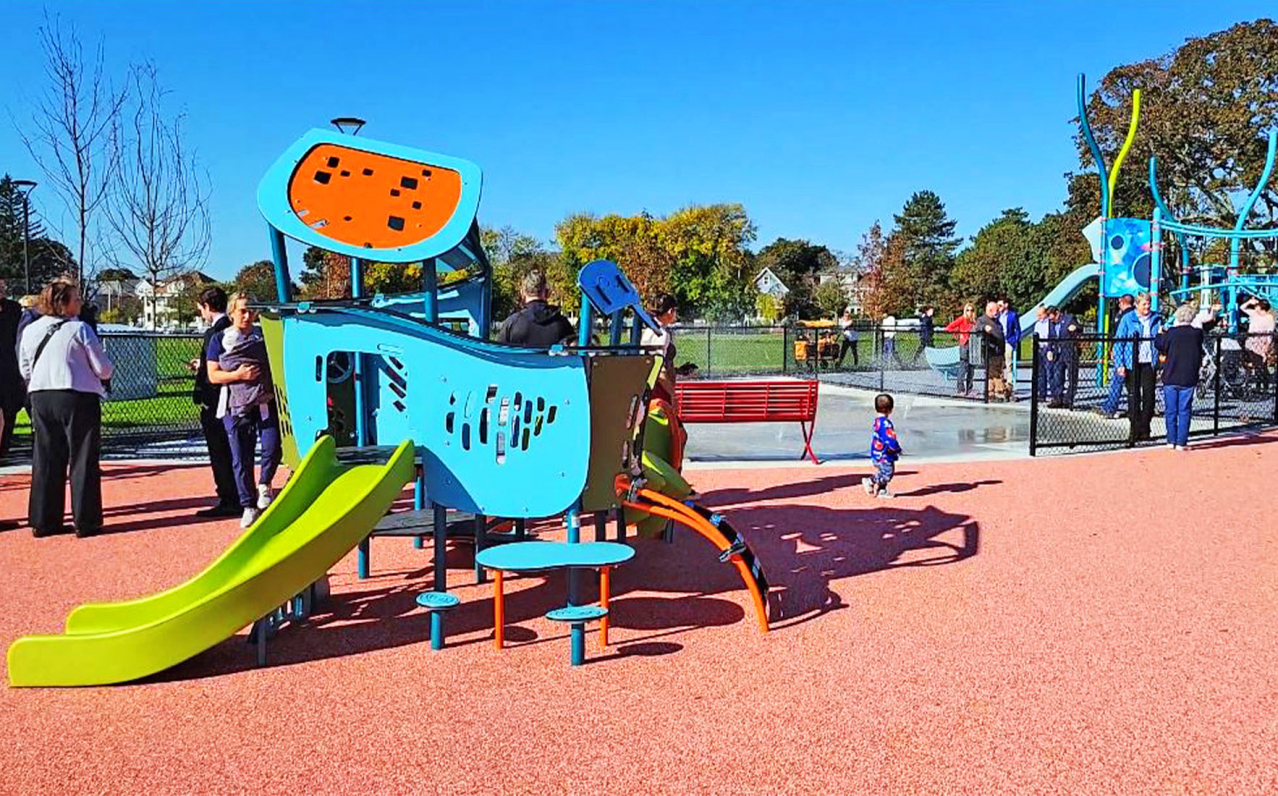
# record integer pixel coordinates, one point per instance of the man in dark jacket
(12, 392)
(1065, 331)
(993, 345)
(212, 307)
(539, 324)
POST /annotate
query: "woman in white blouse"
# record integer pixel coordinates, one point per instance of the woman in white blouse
(64, 365)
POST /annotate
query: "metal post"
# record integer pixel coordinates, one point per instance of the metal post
(1034, 398)
(430, 286)
(621, 511)
(614, 329)
(441, 546)
(708, 369)
(1215, 412)
(361, 563)
(481, 541)
(1156, 259)
(419, 503)
(586, 321)
(279, 255)
(26, 239)
(359, 371)
(785, 348)
(601, 526)
(486, 308)
(436, 630)
(578, 643)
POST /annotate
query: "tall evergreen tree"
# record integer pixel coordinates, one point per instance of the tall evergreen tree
(12, 233)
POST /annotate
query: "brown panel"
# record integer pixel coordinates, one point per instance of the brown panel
(617, 388)
(371, 200)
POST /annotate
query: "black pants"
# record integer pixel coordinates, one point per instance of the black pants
(219, 457)
(1140, 399)
(10, 420)
(68, 429)
(845, 346)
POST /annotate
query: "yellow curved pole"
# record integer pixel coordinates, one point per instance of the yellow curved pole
(1127, 145)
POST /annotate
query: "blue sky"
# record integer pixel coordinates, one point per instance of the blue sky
(818, 117)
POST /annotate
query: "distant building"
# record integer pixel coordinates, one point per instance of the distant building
(162, 304)
(855, 284)
(768, 283)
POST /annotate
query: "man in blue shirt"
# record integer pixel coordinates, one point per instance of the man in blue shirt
(1126, 305)
(1136, 358)
(1011, 322)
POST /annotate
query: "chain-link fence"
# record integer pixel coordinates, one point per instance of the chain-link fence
(1080, 402)
(148, 411)
(867, 357)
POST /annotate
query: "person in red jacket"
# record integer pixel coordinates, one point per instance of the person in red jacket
(962, 326)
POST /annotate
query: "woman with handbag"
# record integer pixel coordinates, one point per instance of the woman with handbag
(64, 365)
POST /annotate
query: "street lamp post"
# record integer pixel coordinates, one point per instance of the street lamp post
(25, 187)
(347, 124)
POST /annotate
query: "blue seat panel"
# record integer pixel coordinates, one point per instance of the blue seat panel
(577, 613)
(542, 556)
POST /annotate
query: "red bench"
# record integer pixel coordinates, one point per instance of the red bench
(751, 402)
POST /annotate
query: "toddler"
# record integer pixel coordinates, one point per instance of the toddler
(884, 449)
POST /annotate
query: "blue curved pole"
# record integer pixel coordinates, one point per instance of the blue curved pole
(1235, 242)
(1091, 144)
(1167, 216)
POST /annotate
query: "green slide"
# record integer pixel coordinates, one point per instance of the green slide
(323, 512)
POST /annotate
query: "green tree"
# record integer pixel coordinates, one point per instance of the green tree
(1002, 259)
(917, 258)
(712, 268)
(12, 234)
(768, 308)
(830, 299)
(257, 280)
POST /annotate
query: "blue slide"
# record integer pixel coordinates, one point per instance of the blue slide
(946, 360)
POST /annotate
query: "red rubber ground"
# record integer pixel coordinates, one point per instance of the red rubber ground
(1087, 625)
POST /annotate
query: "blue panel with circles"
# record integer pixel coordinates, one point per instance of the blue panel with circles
(1128, 259)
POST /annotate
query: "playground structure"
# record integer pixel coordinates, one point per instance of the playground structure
(1127, 253)
(501, 433)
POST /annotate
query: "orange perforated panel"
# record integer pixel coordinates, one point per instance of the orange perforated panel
(371, 200)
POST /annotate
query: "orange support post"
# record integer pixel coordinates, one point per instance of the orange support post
(499, 608)
(604, 573)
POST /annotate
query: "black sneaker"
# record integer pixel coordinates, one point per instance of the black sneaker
(220, 511)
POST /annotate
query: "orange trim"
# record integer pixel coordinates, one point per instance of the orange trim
(499, 609)
(604, 573)
(694, 521)
(367, 199)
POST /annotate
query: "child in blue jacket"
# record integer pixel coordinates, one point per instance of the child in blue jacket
(885, 448)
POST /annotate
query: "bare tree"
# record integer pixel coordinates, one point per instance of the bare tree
(159, 210)
(70, 130)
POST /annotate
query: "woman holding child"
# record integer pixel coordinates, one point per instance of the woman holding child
(237, 363)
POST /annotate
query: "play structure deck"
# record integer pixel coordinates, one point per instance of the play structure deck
(488, 435)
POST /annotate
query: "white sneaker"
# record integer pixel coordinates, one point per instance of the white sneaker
(263, 496)
(868, 485)
(883, 493)
(250, 517)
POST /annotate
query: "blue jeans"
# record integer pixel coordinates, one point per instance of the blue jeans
(242, 432)
(1178, 408)
(1114, 399)
(884, 469)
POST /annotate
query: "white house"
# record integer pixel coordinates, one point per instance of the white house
(161, 302)
(769, 283)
